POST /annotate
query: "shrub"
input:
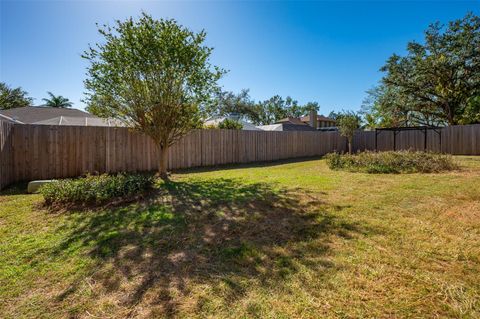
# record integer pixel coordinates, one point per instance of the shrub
(209, 127)
(392, 162)
(230, 124)
(95, 189)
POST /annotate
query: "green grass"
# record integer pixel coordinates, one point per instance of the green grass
(283, 240)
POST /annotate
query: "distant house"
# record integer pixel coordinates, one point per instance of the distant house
(43, 115)
(286, 126)
(291, 120)
(322, 123)
(215, 121)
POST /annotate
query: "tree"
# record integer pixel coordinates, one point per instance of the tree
(472, 111)
(277, 108)
(271, 110)
(383, 108)
(348, 123)
(227, 103)
(435, 82)
(57, 101)
(155, 75)
(11, 98)
(260, 113)
(230, 124)
(333, 115)
(310, 106)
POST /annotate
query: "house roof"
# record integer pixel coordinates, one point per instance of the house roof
(246, 125)
(34, 114)
(319, 118)
(284, 127)
(81, 121)
(291, 120)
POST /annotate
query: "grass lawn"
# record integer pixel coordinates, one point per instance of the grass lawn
(285, 240)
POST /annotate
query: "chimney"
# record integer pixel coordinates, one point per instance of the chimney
(313, 119)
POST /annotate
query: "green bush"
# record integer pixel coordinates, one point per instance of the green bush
(230, 124)
(95, 189)
(392, 162)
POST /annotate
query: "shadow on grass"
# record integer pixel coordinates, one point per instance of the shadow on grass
(206, 232)
(246, 165)
(15, 189)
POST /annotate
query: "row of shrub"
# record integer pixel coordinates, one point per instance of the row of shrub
(392, 162)
(96, 188)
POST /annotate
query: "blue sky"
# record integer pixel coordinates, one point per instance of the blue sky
(329, 52)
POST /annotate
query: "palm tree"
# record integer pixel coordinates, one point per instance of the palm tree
(57, 101)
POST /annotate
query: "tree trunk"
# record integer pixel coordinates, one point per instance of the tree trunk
(450, 115)
(349, 146)
(162, 162)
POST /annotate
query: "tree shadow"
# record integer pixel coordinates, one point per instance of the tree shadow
(232, 166)
(15, 189)
(203, 232)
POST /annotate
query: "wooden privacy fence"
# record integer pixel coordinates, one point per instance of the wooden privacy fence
(30, 152)
(456, 140)
(6, 154)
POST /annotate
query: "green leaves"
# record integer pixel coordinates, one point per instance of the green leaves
(261, 112)
(230, 124)
(154, 74)
(57, 101)
(348, 123)
(434, 82)
(11, 98)
(95, 189)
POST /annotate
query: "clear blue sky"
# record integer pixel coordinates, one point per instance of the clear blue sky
(328, 52)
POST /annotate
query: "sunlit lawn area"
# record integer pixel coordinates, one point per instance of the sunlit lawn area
(283, 240)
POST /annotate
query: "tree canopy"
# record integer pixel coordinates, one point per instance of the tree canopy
(57, 101)
(153, 74)
(436, 83)
(259, 113)
(230, 124)
(11, 98)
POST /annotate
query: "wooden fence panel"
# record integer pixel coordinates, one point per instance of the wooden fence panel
(30, 152)
(363, 140)
(455, 140)
(6, 154)
(42, 151)
(434, 140)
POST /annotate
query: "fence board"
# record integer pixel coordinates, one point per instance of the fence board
(6, 153)
(455, 140)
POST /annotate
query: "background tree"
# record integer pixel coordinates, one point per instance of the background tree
(277, 108)
(471, 113)
(11, 98)
(435, 82)
(348, 123)
(260, 113)
(154, 75)
(57, 101)
(384, 106)
(226, 103)
(229, 124)
(271, 110)
(310, 106)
